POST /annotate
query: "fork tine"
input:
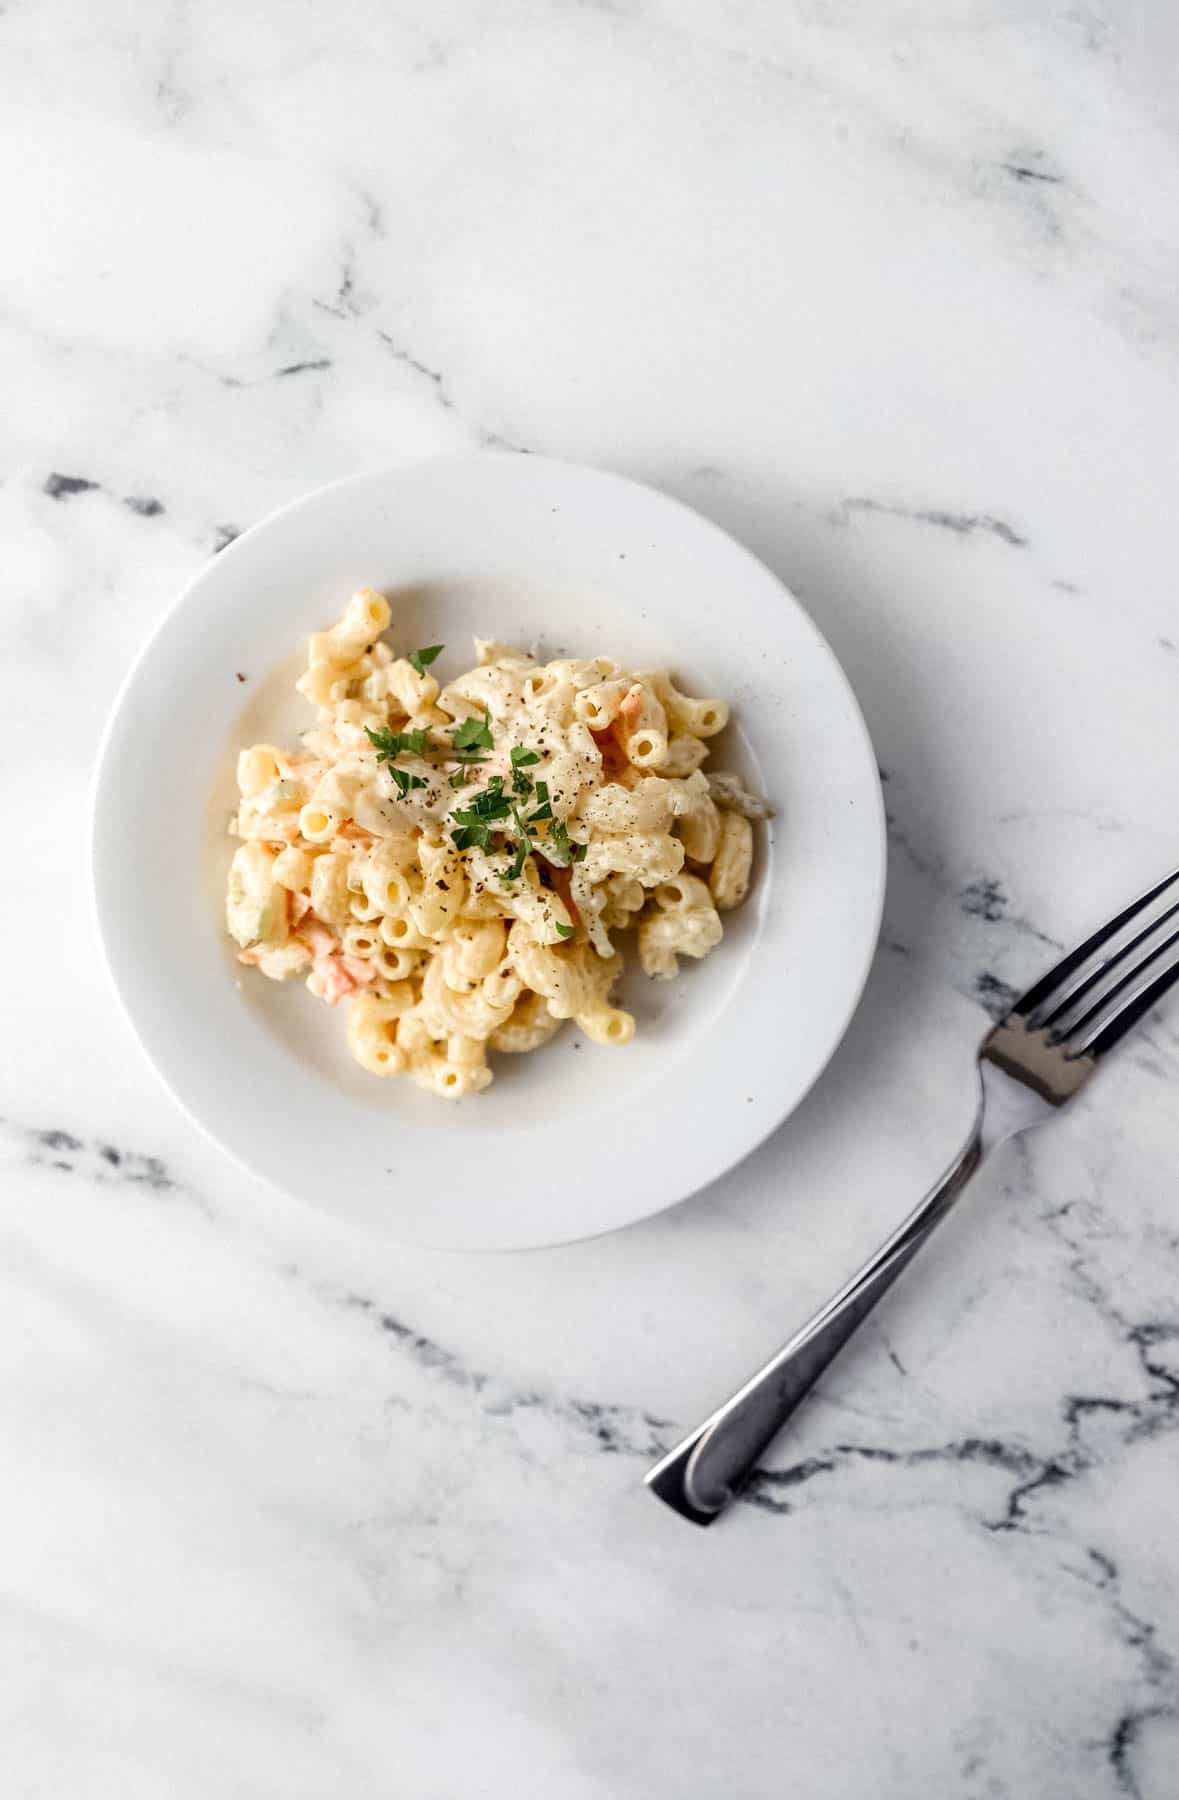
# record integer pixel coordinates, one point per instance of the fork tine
(1053, 983)
(1078, 1013)
(1103, 1037)
(1075, 987)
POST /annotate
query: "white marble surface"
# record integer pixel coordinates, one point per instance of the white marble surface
(891, 292)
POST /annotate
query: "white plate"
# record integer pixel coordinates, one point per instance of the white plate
(576, 1139)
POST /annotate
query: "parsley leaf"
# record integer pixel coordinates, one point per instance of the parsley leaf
(489, 803)
(542, 792)
(542, 812)
(475, 820)
(558, 848)
(522, 758)
(515, 868)
(473, 734)
(405, 781)
(521, 822)
(418, 659)
(563, 930)
(389, 744)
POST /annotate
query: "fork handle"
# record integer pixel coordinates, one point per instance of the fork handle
(709, 1468)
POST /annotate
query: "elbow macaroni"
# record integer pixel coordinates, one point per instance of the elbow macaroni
(452, 859)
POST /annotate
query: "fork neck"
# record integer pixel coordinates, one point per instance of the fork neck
(1005, 1106)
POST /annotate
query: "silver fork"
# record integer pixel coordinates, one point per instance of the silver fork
(1033, 1060)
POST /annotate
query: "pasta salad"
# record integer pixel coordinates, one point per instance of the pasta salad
(453, 859)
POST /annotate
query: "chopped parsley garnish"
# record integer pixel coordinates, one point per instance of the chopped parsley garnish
(522, 758)
(559, 842)
(405, 781)
(489, 803)
(415, 741)
(521, 822)
(563, 930)
(515, 868)
(475, 821)
(389, 744)
(461, 778)
(473, 734)
(419, 659)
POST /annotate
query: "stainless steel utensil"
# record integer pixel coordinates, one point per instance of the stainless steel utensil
(1033, 1061)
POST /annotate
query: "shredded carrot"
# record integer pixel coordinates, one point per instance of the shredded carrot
(614, 758)
(560, 880)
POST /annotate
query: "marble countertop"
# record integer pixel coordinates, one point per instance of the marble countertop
(891, 293)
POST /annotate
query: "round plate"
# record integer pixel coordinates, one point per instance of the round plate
(575, 1139)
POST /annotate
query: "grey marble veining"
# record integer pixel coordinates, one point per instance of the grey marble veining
(890, 293)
